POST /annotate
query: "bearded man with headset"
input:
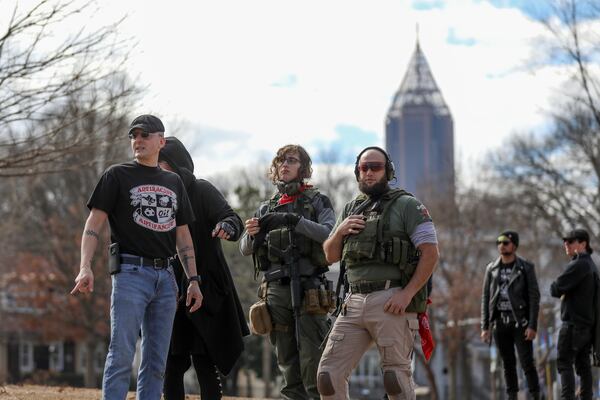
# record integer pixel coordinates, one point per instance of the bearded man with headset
(387, 245)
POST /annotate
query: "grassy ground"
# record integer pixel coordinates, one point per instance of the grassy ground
(33, 392)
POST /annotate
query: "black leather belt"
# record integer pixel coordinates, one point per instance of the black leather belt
(156, 263)
(366, 287)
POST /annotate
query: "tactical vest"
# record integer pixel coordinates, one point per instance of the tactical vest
(378, 245)
(279, 238)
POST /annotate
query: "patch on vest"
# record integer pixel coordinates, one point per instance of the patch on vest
(424, 211)
(155, 207)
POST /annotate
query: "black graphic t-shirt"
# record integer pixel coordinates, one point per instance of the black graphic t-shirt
(144, 206)
(504, 278)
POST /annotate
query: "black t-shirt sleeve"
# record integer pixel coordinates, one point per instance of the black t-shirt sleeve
(106, 192)
(185, 214)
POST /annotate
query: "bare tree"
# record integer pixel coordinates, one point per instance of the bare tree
(466, 231)
(46, 213)
(39, 78)
(557, 175)
(335, 179)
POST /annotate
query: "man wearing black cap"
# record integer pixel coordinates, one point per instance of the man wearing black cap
(576, 288)
(510, 303)
(148, 211)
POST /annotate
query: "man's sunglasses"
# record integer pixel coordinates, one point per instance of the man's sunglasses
(373, 166)
(145, 135)
(504, 242)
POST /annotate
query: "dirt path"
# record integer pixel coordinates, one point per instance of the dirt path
(33, 392)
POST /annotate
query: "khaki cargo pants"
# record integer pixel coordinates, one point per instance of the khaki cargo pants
(366, 323)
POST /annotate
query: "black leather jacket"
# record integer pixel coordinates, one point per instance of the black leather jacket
(523, 293)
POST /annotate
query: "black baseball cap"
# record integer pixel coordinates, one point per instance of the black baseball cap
(581, 235)
(577, 234)
(509, 235)
(147, 123)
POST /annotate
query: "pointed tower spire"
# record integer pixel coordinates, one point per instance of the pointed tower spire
(418, 36)
(419, 134)
(418, 86)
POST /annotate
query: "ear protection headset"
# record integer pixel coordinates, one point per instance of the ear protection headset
(389, 165)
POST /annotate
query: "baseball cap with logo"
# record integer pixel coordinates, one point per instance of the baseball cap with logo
(147, 123)
(509, 235)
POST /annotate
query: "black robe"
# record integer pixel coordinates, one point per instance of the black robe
(218, 326)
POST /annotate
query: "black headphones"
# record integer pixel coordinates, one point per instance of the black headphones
(389, 165)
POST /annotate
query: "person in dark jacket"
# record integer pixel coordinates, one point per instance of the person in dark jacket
(213, 335)
(576, 287)
(510, 304)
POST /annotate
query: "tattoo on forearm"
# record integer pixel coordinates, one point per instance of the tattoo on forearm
(185, 249)
(89, 232)
(185, 262)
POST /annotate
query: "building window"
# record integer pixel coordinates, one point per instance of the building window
(26, 357)
(56, 351)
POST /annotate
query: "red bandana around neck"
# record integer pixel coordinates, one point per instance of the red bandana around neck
(285, 198)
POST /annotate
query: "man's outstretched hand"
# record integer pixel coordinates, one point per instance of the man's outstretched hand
(84, 282)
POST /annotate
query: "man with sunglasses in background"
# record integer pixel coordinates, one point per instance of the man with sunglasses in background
(387, 245)
(300, 208)
(510, 306)
(576, 287)
(148, 211)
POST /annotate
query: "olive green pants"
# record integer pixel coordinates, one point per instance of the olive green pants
(299, 368)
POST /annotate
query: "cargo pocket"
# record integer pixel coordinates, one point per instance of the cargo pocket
(389, 351)
(398, 350)
(334, 341)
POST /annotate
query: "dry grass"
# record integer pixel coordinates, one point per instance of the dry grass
(34, 392)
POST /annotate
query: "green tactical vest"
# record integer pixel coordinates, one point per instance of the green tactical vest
(378, 245)
(279, 238)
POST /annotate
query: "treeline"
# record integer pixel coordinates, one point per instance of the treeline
(57, 138)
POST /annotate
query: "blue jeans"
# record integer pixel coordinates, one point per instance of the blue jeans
(141, 297)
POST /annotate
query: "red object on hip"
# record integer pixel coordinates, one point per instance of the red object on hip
(427, 342)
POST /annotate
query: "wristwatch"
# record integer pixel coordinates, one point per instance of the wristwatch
(196, 278)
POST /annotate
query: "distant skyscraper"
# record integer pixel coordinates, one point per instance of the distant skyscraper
(419, 134)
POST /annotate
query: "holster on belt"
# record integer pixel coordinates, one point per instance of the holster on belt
(114, 259)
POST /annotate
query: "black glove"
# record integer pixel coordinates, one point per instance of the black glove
(271, 221)
(226, 227)
(274, 220)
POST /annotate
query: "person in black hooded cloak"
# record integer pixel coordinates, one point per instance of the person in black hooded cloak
(210, 338)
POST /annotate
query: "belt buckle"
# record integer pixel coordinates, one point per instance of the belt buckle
(154, 263)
